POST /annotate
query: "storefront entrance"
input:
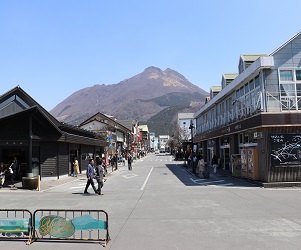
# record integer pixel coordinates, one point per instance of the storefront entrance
(8, 157)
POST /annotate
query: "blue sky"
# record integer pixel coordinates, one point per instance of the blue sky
(52, 48)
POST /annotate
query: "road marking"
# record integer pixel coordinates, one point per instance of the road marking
(127, 176)
(75, 187)
(144, 184)
(203, 182)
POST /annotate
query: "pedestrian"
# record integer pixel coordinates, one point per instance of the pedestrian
(104, 164)
(2, 174)
(201, 166)
(75, 167)
(16, 168)
(12, 172)
(99, 171)
(130, 162)
(188, 159)
(214, 163)
(122, 159)
(90, 177)
(194, 163)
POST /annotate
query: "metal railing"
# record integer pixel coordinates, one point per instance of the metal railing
(54, 225)
(16, 224)
(71, 225)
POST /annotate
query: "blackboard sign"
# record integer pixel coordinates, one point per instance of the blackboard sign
(285, 149)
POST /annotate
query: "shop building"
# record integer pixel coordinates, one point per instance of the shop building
(116, 135)
(253, 124)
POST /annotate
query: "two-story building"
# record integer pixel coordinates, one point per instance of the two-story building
(116, 135)
(253, 124)
(144, 138)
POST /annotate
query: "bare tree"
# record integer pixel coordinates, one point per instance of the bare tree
(179, 136)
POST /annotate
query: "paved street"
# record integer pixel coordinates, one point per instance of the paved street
(162, 205)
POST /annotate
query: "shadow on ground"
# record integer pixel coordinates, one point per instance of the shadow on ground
(186, 176)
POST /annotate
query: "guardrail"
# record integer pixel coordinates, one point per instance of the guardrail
(71, 225)
(54, 225)
(16, 224)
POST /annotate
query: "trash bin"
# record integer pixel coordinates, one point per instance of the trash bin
(30, 182)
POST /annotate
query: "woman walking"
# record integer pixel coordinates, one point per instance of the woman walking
(201, 166)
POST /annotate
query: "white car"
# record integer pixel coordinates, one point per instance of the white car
(157, 151)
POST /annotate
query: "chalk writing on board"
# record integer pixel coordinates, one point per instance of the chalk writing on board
(285, 149)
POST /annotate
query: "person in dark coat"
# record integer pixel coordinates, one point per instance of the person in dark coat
(130, 162)
(90, 177)
(99, 171)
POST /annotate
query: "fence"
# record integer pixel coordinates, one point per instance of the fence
(55, 225)
(16, 224)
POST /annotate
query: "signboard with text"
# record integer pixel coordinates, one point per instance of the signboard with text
(285, 149)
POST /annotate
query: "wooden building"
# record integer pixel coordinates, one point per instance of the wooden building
(43, 145)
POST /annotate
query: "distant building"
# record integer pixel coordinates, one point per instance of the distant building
(144, 138)
(184, 121)
(115, 134)
(153, 141)
(163, 139)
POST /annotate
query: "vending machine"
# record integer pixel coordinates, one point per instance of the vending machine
(244, 163)
(253, 170)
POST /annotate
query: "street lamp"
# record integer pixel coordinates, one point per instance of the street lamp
(191, 127)
(184, 138)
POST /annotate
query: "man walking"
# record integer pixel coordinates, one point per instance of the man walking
(99, 177)
(90, 176)
(130, 162)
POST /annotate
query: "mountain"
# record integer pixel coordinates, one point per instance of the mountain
(153, 97)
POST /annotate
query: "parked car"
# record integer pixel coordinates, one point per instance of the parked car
(157, 151)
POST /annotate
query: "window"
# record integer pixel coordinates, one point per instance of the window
(298, 75)
(256, 81)
(290, 88)
(247, 64)
(247, 88)
(237, 94)
(25, 105)
(298, 88)
(251, 85)
(242, 91)
(287, 89)
(228, 82)
(286, 75)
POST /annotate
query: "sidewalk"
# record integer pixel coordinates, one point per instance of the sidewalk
(47, 183)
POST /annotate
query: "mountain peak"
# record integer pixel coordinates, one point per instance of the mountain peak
(131, 98)
(153, 69)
